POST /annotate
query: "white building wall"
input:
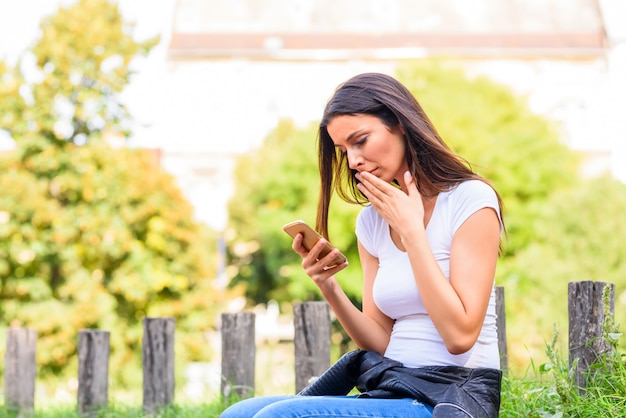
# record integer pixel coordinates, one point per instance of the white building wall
(223, 108)
(202, 113)
(228, 107)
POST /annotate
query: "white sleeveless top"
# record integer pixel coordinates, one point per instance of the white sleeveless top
(414, 339)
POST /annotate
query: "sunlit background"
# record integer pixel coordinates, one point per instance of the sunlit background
(226, 72)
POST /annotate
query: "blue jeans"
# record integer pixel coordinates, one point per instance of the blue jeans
(326, 406)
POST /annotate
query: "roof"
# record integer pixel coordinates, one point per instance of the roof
(337, 29)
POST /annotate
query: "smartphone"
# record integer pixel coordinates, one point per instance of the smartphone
(310, 238)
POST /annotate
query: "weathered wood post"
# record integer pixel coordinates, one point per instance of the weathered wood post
(158, 362)
(501, 325)
(93, 371)
(238, 354)
(20, 370)
(586, 319)
(312, 329)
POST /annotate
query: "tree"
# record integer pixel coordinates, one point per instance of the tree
(495, 131)
(276, 185)
(93, 236)
(576, 235)
(77, 70)
(484, 122)
(560, 227)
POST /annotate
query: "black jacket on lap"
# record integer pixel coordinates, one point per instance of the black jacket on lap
(452, 391)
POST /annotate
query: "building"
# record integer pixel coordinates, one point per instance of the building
(236, 67)
(227, 71)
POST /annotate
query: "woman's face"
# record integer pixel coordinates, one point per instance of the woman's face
(370, 145)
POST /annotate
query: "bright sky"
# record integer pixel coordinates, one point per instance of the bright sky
(19, 22)
(19, 25)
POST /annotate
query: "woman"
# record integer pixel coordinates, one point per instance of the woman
(428, 242)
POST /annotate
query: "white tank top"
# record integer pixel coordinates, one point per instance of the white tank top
(414, 339)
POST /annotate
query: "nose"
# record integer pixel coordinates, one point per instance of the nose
(355, 160)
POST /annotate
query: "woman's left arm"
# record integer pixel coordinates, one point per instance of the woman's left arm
(457, 307)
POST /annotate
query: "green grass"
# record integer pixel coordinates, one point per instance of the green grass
(119, 411)
(552, 393)
(545, 391)
(551, 390)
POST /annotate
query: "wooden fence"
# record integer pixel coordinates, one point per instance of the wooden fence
(312, 326)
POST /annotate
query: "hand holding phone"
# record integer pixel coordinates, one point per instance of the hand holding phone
(310, 238)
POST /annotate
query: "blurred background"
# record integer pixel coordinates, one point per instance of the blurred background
(150, 152)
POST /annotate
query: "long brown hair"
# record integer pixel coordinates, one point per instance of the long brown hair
(432, 164)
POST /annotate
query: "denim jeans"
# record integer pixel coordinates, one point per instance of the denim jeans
(326, 406)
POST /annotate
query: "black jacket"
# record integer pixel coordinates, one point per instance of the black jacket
(453, 391)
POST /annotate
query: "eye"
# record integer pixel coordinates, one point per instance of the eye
(361, 140)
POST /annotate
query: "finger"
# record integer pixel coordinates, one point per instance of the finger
(370, 194)
(363, 189)
(329, 260)
(316, 250)
(297, 246)
(325, 268)
(335, 268)
(410, 182)
(371, 186)
(378, 185)
(320, 270)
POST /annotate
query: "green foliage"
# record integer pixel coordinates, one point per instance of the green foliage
(561, 227)
(548, 244)
(77, 70)
(485, 123)
(93, 236)
(576, 236)
(552, 392)
(276, 185)
(482, 121)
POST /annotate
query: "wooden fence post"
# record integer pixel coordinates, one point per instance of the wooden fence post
(238, 354)
(586, 319)
(312, 329)
(93, 371)
(20, 370)
(501, 326)
(158, 362)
